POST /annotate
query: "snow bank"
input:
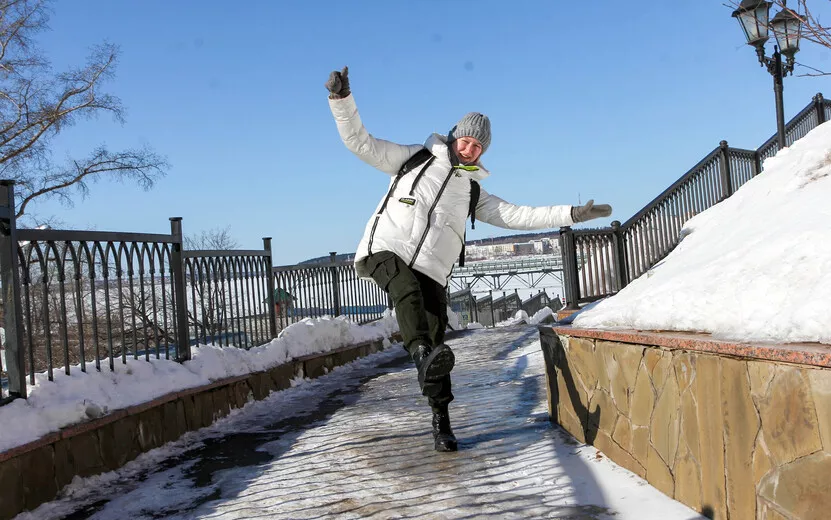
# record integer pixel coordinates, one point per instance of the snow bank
(755, 267)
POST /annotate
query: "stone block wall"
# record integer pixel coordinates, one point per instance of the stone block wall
(36, 472)
(729, 435)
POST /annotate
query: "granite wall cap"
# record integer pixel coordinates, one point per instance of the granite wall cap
(813, 354)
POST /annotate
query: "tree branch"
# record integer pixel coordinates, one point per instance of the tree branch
(142, 166)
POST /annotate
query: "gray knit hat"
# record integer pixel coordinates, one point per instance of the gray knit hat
(475, 125)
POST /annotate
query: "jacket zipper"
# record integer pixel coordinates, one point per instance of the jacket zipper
(430, 214)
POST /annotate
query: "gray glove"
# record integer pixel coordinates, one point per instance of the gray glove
(590, 211)
(338, 84)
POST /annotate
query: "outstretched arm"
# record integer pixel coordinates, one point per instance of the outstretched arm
(495, 211)
(384, 155)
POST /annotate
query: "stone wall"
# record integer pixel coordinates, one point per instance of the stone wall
(35, 473)
(731, 436)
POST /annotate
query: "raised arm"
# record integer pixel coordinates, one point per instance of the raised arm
(384, 155)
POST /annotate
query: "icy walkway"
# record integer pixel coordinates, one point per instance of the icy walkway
(357, 444)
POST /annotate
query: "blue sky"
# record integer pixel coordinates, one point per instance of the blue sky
(605, 100)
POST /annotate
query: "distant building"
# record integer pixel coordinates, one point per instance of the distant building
(527, 248)
(513, 245)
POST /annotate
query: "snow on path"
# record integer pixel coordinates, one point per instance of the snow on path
(357, 444)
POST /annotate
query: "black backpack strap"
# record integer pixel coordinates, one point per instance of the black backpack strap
(416, 159)
(475, 190)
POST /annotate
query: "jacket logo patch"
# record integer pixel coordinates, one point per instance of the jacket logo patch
(407, 200)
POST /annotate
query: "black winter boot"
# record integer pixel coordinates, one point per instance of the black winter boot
(442, 434)
(433, 363)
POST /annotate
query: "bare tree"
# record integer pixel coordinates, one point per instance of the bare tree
(812, 28)
(37, 104)
(217, 239)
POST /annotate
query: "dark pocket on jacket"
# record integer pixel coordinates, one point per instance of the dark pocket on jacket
(384, 267)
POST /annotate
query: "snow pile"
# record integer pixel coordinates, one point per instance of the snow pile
(69, 399)
(753, 268)
(541, 315)
(522, 317)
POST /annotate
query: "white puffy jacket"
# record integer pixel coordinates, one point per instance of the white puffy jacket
(422, 219)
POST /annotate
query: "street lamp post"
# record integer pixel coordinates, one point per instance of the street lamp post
(753, 17)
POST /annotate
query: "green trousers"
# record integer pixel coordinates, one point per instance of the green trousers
(420, 307)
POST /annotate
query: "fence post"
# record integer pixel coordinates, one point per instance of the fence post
(493, 318)
(180, 301)
(504, 305)
(335, 284)
(757, 163)
(10, 278)
(726, 176)
(272, 310)
(619, 252)
(819, 104)
(569, 253)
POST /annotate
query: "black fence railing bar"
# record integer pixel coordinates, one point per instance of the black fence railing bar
(596, 262)
(599, 262)
(334, 289)
(230, 297)
(742, 166)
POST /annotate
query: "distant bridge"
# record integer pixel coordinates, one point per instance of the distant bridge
(495, 275)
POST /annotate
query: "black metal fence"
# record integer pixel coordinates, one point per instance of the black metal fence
(326, 289)
(92, 297)
(488, 311)
(599, 262)
(229, 296)
(85, 298)
(463, 303)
